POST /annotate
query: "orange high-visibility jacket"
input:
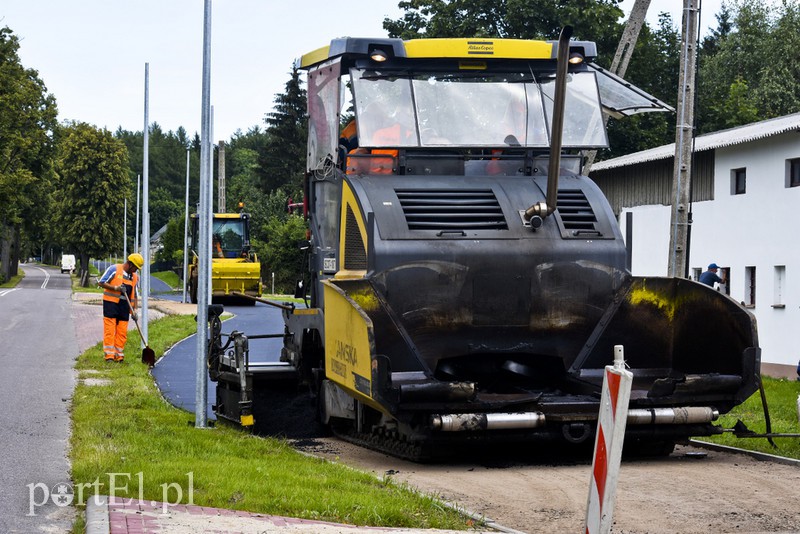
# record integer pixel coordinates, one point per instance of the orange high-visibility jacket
(384, 162)
(119, 278)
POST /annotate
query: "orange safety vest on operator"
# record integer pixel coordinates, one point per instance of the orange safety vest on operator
(385, 161)
(119, 278)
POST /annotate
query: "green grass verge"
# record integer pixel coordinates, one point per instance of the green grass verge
(281, 298)
(92, 288)
(782, 402)
(170, 278)
(14, 279)
(122, 425)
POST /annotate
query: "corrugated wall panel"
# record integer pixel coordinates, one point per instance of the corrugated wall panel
(650, 183)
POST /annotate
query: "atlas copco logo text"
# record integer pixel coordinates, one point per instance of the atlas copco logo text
(480, 47)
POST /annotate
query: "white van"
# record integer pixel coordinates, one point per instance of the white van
(67, 263)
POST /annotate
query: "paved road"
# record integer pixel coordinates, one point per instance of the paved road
(175, 373)
(35, 419)
(38, 348)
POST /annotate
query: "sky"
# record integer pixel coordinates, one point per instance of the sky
(91, 54)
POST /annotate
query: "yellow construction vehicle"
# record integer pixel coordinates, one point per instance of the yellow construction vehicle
(466, 284)
(234, 266)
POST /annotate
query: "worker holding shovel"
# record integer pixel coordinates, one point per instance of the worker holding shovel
(117, 307)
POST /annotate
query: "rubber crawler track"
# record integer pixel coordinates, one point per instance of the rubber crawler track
(383, 442)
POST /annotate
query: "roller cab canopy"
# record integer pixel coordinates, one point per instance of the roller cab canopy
(460, 93)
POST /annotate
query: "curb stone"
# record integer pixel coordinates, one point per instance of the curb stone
(97, 515)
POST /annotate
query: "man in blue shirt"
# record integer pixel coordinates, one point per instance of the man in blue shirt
(117, 279)
(710, 277)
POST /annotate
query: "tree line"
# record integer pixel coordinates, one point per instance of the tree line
(63, 185)
(746, 70)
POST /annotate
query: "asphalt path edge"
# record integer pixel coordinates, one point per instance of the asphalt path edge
(762, 456)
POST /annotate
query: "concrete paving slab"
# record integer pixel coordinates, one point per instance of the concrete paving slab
(108, 515)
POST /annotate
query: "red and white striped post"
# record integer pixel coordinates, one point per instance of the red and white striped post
(608, 444)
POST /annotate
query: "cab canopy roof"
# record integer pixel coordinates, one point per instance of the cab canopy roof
(473, 48)
(617, 97)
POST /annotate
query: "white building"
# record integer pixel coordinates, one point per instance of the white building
(745, 210)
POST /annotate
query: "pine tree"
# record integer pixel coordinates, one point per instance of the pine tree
(284, 161)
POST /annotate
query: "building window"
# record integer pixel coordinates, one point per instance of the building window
(738, 181)
(750, 286)
(793, 172)
(725, 272)
(780, 283)
(696, 272)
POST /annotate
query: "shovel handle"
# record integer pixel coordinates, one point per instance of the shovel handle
(133, 314)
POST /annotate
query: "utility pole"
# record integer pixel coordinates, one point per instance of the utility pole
(204, 222)
(125, 231)
(619, 65)
(145, 242)
(682, 173)
(210, 187)
(221, 178)
(136, 233)
(186, 231)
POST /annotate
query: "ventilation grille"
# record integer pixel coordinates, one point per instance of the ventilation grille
(355, 256)
(446, 209)
(576, 212)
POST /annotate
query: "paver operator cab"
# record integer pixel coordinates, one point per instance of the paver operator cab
(234, 265)
(465, 282)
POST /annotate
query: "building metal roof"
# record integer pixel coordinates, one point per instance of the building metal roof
(723, 138)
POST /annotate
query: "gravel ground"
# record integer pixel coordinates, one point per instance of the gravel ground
(698, 492)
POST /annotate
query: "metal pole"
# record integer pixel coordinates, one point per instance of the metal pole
(210, 203)
(682, 173)
(125, 230)
(145, 242)
(186, 230)
(136, 235)
(204, 245)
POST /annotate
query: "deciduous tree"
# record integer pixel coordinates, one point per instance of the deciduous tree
(593, 20)
(27, 120)
(172, 242)
(654, 64)
(92, 184)
(750, 73)
(280, 253)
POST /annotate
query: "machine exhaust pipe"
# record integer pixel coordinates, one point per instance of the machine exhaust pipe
(465, 422)
(672, 416)
(543, 209)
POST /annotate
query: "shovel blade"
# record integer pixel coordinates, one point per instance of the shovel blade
(148, 356)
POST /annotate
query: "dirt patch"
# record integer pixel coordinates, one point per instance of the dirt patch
(96, 382)
(684, 492)
(545, 488)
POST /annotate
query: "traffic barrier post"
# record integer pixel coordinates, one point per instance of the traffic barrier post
(607, 456)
